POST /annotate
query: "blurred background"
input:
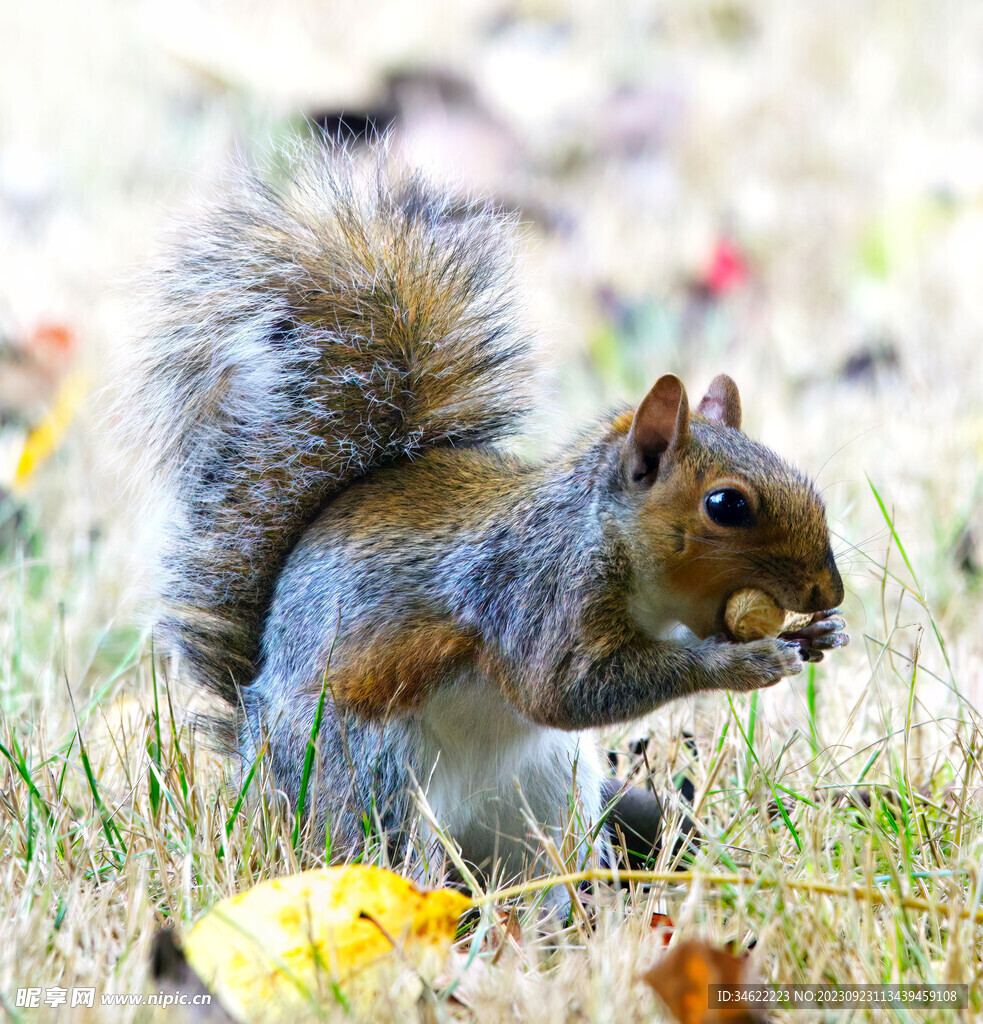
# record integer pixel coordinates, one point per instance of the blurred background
(789, 193)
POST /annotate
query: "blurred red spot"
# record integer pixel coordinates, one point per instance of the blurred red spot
(53, 338)
(662, 923)
(727, 270)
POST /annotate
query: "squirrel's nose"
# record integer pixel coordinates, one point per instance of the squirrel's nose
(827, 591)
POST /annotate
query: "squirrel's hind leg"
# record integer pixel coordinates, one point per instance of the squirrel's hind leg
(358, 788)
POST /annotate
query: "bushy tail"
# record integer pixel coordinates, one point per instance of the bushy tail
(301, 333)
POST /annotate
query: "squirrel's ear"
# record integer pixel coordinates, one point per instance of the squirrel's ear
(660, 423)
(722, 402)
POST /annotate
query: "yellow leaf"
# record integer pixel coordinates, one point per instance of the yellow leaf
(293, 944)
(45, 437)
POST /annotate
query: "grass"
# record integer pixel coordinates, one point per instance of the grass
(829, 859)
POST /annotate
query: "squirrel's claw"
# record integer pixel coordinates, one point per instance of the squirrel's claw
(817, 628)
(824, 633)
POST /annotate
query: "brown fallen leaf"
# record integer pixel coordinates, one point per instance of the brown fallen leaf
(682, 977)
(510, 931)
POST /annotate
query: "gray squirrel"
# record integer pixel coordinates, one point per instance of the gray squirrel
(331, 368)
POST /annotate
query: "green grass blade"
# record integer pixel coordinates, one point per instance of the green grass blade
(771, 785)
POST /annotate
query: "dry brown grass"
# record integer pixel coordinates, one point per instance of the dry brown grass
(842, 144)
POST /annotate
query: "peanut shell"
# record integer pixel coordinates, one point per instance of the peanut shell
(752, 615)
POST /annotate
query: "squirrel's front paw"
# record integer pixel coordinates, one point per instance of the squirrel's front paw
(763, 663)
(824, 633)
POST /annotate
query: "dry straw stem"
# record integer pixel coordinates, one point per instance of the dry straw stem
(859, 893)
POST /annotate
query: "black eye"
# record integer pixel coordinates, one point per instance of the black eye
(728, 507)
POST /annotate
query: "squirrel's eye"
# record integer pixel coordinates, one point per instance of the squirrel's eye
(728, 507)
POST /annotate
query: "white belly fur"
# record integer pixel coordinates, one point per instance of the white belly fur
(475, 747)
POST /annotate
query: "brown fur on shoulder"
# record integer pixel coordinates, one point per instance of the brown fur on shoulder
(395, 673)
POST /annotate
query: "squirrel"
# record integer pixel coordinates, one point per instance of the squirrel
(334, 364)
